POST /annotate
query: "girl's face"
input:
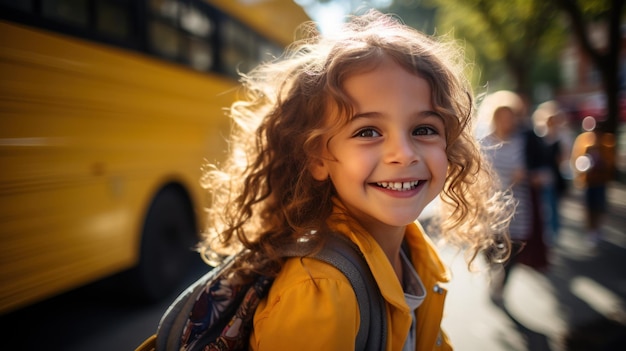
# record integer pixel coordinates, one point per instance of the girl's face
(390, 160)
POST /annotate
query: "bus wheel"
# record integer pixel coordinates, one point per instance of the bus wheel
(168, 237)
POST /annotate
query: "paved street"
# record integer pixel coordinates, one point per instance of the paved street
(578, 304)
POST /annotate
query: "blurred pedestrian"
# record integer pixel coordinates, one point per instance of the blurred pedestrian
(536, 161)
(519, 156)
(550, 124)
(505, 147)
(593, 162)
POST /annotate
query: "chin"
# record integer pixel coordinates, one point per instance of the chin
(400, 222)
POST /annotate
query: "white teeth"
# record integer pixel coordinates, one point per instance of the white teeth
(398, 186)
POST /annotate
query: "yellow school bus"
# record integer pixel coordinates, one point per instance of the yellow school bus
(108, 110)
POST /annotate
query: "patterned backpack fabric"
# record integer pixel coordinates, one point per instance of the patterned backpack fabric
(206, 325)
(213, 314)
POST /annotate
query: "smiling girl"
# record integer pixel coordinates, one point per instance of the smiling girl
(352, 134)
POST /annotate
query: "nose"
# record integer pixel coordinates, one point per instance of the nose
(401, 149)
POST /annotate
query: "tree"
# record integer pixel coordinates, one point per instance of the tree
(512, 42)
(513, 39)
(414, 13)
(606, 59)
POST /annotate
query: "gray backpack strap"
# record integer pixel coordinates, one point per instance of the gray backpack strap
(343, 254)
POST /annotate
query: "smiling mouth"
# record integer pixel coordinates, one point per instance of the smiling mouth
(400, 186)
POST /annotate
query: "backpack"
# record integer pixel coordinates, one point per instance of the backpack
(213, 314)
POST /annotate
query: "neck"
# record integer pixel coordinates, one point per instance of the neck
(502, 135)
(390, 241)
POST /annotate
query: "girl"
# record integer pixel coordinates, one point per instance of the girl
(355, 134)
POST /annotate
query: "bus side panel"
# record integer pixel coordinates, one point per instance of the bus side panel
(88, 134)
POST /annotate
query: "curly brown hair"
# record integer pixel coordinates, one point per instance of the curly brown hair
(265, 198)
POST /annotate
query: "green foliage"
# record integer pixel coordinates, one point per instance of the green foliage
(515, 44)
(505, 39)
(594, 9)
(415, 14)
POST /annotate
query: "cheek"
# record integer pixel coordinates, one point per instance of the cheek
(439, 163)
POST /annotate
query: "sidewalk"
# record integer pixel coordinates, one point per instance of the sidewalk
(579, 304)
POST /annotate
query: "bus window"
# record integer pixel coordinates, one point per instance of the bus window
(195, 22)
(163, 36)
(199, 28)
(24, 5)
(113, 18)
(181, 32)
(74, 12)
(200, 55)
(166, 9)
(238, 47)
(164, 40)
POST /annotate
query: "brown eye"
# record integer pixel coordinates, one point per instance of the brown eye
(423, 130)
(366, 133)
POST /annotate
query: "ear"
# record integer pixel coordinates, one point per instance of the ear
(318, 169)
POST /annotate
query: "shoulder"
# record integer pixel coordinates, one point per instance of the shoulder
(489, 140)
(310, 305)
(308, 279)
(304, 270)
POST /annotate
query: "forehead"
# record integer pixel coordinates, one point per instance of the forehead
(388, 89)
(503, 111)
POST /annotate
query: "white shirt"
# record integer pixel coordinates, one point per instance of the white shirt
(414, 294)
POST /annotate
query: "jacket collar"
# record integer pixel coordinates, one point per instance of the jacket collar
(424, 255)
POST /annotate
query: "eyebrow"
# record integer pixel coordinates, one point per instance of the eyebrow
(427, 113)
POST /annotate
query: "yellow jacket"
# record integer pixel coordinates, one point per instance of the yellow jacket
(311, 304)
